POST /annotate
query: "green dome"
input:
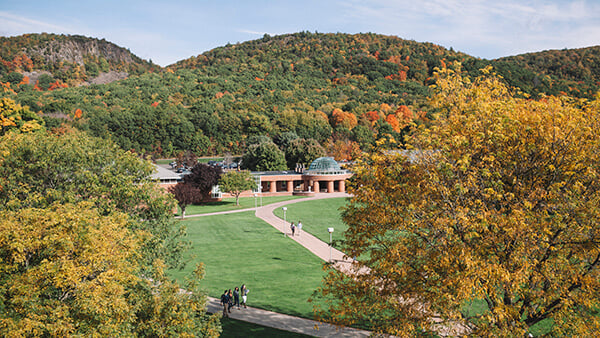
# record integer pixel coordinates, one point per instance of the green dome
(324, 164)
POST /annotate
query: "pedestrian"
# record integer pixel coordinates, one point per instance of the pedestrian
(293, 227)
(225, 303)
(299, 227)
(244, 290)
(229, 300)
(236, 297)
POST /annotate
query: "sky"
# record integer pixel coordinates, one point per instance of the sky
(169, 31)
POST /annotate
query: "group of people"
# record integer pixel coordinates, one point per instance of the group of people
(293, 227)
(230, 299)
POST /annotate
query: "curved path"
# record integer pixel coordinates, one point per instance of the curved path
(314, 245)
(310, 242)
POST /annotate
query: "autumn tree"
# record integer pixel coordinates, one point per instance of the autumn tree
(186, 159)
(185, 194)
(495, 203)
(236, 182)
(68, 270)
(343, 119)
(344, 150)
(14, 117)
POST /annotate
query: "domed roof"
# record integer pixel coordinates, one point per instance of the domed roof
(324, 164)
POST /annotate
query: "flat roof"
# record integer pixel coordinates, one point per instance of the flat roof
(275, 173)
(162, 173)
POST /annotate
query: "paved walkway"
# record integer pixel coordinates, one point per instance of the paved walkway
(285, 322)
(310, 242)
(314, 245)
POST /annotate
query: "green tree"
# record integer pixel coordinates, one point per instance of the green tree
(265, 156)
(497, 203)
(44, 81)
(236, 182)
(40, 169)
(303, 151)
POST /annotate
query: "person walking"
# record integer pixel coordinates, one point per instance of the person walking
(299, 227)
(293, 227)
(229, 300)
(236, 297)
(244, 290)
(225, 303)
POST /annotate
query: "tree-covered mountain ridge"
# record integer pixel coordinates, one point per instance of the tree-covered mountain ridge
(344, 91)
(72, 60)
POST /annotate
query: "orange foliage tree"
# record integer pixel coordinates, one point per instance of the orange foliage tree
(393, 121)
(344, 119)
(344, 150)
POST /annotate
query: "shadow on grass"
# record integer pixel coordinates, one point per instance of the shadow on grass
(238, 328)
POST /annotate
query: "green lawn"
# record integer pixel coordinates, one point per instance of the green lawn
(228, 204)
(317, 216)
(240, 248)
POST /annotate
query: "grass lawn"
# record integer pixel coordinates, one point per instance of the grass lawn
(228, 204)
(237, 328)
(240, 248)
(317, 216)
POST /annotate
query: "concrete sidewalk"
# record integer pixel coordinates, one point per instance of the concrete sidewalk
(285, 322)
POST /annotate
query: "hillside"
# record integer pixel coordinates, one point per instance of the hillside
(344, 91)
(70, 59)
(575, 72)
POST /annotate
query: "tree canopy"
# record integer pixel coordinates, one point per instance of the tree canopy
(496, 204)
(85, 238)
(236, 182)
(265, 156)
(203, 177)
(67, 270)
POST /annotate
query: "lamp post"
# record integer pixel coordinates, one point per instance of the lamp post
(284, 220)
(330, 230)
(255, 202)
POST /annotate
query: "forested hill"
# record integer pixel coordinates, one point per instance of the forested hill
(69, 60)
(343, 91)
(572, 71)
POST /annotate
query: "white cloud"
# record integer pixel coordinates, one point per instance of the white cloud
(251, 32)
(481, 27)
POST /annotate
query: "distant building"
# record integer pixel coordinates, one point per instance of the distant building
(324, 175)
(165, 177)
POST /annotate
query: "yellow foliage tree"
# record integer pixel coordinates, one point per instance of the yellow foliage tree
(67, 270)
(495, 203)
(14, 117)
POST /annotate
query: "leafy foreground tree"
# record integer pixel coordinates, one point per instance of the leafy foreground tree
(498, 203)
(67, 270)
(236, 182)
(84, 238)
(40, 169)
